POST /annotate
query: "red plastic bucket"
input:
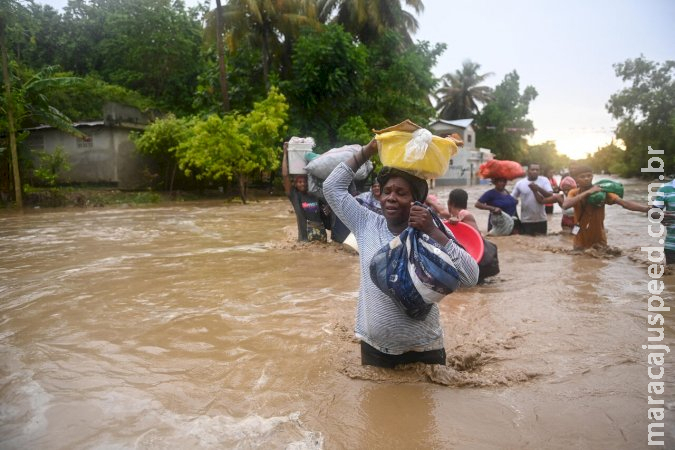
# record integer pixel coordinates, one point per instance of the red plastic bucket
(469, 237)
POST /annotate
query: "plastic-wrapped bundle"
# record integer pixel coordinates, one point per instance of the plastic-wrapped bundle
(502, 224)
(597, 198)
(415, 271)
(419, 153)
(496, 168)
(322, 165)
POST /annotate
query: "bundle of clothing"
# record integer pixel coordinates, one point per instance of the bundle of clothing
(414, 270)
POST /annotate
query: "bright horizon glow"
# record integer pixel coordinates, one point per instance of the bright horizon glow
(576, 146)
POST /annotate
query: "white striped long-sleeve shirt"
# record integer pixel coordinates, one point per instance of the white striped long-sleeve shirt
(379, 321)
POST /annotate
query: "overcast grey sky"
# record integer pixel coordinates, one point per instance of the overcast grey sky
(565, 49)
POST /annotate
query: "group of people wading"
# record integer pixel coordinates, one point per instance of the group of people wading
(398, 201)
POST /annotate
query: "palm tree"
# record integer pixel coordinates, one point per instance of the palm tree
(461, 92)
(26, 99)
(222, 68)
(267, 24)
(369, 19)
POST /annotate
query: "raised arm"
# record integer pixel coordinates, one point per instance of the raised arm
(632, 206)
(360, 157)
(336, 189)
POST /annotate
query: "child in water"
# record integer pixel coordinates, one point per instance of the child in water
(589, 220)
(567, 220)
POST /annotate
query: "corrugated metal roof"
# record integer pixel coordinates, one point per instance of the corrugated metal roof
(461, 123)
(75, 124)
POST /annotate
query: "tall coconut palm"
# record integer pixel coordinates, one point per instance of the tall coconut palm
(25, 98)
(368, 19)
(462, 92)
(266, 24)
(222, 68)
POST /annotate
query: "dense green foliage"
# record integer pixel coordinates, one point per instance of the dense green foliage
(219, 148)
(503, 123)
(645, 110)
(547, 156)
(398, 83)
(51, 165)
(161, 140)
(328, 68)
(342, 67)
(608, 159)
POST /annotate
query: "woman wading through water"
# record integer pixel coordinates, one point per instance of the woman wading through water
(388, 335)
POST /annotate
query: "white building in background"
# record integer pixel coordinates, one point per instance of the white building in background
(463, 167)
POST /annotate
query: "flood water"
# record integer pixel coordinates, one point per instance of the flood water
(207, 326)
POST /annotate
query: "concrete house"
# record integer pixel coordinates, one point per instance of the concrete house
(464, 165)
(106, 155)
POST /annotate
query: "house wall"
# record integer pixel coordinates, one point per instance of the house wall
(468, 134)
(463, 167)
(105, 156)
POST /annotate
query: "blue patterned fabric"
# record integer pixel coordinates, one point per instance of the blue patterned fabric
(415, 271)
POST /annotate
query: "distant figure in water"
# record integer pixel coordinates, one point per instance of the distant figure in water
(457, 204)
(488, 265)
(534, 192)
(567, 219)
(554, 186)
(499, 202)
(389, 336)
(311, 213)
(589, 220)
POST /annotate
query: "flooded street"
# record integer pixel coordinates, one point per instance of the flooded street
(207, 326)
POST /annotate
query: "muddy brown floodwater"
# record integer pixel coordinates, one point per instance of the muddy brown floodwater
(207, 326)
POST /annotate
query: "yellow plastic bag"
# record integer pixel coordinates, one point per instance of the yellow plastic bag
(415, 153)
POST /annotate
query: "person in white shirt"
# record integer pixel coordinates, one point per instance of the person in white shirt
(534, 192)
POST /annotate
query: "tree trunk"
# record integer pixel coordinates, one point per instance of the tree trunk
(10, 116)
(222, 70)
(173, 177)
(266, 61)
(242, 188)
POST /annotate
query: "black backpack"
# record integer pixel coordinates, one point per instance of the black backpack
(488, 266)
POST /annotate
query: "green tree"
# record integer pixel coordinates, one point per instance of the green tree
(26, 95)
(161, 140)
(546, 155)
(462, 92)
(222, 66)
(398, 82)
(645, 110)
(52, 165)
(150, 46)
(270, 25)
(39, 43)
(503, 122)
(236, 146)
(369, 20)
(245, 82)
(85, 100)
(328, 67)
(609, 159)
